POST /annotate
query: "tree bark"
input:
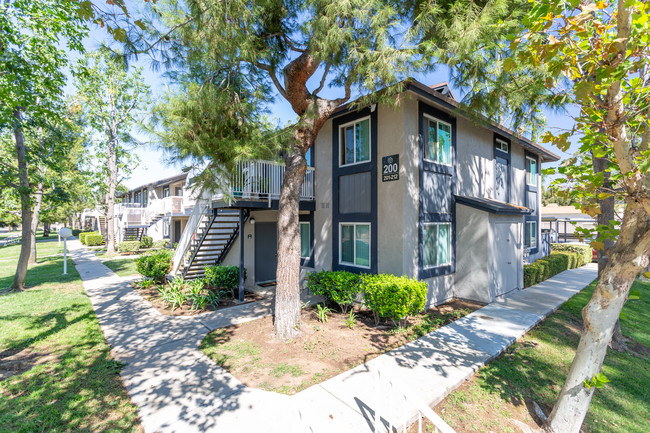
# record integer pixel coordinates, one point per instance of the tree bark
(38, 201)
(25, 205)
(110, 196)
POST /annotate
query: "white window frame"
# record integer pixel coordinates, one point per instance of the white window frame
(438, 224)
(342, 147)
(529, 229)
(501, 144)
(529, 174)
(354, 242)
(429, 118)
(309, 239)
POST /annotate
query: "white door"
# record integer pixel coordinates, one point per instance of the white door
(507, 250)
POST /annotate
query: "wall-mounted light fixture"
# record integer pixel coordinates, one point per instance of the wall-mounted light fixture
(252, 220)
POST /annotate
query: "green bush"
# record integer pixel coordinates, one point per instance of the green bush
(339, 287)
(128, 246)
(76, 232)
(95, 239)
(562, 257)
(584, 252)
(82, 236)
(146, 242)
(226, 277)
(391, 297)
(155, 265)
(163, 243)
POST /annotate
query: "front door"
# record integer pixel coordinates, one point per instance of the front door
(177, 231)
(507, 247)
(266, 250)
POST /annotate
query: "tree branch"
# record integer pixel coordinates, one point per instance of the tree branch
(322, 80)
(273, 76)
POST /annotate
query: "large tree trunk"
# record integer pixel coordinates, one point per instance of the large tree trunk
(626, 260)
(25, 206)
(38, 202)
(110, 196)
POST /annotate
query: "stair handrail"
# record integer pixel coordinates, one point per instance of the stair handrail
(201, 207)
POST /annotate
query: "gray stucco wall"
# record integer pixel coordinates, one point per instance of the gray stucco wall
(323, 213)
(410, 188)
(472, 233)
(475, 164)
(518, 175)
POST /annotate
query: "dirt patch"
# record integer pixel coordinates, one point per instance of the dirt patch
(153, 297)
(13, 363)
(325, 349)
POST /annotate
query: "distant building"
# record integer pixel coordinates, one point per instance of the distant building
(561, 222)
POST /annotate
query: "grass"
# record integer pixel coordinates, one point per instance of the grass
(122, 267)
(534, 369)
(67, 380)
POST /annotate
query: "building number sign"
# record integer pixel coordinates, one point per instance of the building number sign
(389, 168)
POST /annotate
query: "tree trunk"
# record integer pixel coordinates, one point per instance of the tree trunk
(38, 201)
(25, 206)
(286, 323)
(626, 260)
(47, 229)
(110, 196)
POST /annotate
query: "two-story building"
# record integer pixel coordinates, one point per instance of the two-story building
(418, 189)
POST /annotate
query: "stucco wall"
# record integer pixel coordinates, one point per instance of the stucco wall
(410, 189)
(323, 213)
(475, 163)
(472, 232)
(518, 175)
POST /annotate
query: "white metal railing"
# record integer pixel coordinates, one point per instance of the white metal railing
(200, 210)
(163, 206)
(392, 396)
(262, 180)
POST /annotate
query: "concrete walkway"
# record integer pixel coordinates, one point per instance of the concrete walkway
(178, 389)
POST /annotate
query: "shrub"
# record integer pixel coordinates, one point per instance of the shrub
(163, 243)
(95, 239)
(76, 232)
(391, 297)
(558, 261)
(146, 242)
(339, 287)
(226, 277)
(583, 252)
(82, 236)
(155, 265)
(128, 246)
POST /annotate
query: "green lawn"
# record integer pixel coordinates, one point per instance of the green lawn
(122, 267)
(66, 379)
(534, 370)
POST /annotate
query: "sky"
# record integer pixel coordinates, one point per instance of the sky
(154, 165)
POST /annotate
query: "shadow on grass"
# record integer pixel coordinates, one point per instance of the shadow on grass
(48, 270)
(121, 266)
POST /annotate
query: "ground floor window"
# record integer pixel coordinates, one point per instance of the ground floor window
(354, 244)
(437, 244)
(531, 234)
(305, 240)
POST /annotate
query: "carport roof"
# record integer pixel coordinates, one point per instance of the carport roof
(493, 206)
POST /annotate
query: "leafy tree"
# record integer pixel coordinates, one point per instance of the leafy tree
(109, 98)
(553, 194)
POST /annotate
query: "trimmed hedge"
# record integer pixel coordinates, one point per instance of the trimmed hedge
(562, 257)
(163, 243)
(82, 236)
(146, 242)
(128, 246)
(226, 277)
(76, 232)
(338, 287)
(391, 297)
(93, 240)
(155, 265)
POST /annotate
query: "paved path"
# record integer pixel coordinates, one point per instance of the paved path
(178, 389)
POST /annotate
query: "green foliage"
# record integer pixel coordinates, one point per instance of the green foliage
(82, 236)
(339, 287)
(391, 297)
(173, 294)
(94, 239)
(598, 381)
(155, 265)
(163, 243)
(562, 257)
(351, 320)
(584, 252)
(76, 232)
(144, 284)
(322, 312)
(225, 277)
(128, 246)
(146, 242)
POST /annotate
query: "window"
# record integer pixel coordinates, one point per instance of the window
(165, 192)
(437, 143)
(305, 240)
(531, 234)
(437, 244)
(354, 244)
(502, 145)
(178, 192)
(531, 171)
(355, 142)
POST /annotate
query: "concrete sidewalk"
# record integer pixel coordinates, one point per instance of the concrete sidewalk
(178, 389)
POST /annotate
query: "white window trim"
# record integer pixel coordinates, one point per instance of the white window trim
(529, 174)
(345, 125)
(309, 243)
(437, 224)
(354, 253)
(451, 132)
(501, 144)
(529, 225)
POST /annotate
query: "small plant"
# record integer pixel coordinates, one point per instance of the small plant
(213, 298)
(160, 244)
(351, 320)
(177, 283)
(322, 313)
(176, 298)
(144, 284)
(146, 242)
(598, 381)
(155, 265)
(128, 247)
(223, 277)
(310, 346)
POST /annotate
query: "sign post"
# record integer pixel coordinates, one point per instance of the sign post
(65, 233)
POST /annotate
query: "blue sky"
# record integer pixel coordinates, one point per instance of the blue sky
(154, 165)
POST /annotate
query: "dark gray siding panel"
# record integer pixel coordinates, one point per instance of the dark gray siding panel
(355, 193)
(436, 192)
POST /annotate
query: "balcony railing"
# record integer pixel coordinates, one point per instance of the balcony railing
(262, 180)
(133, 214)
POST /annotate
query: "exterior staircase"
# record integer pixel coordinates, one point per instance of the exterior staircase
(214, 236)
(102, 226)
(133, 233)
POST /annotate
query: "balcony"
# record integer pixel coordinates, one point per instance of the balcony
(133, 214)
(262, 180)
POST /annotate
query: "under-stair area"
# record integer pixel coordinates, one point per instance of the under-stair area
(215, 234)
(133, 233)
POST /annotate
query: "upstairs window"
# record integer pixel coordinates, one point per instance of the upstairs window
(165, 192)
(531, 171)
(531, 234)
(437, 245)
(355, 142)
(437, 141)
(502, 145)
